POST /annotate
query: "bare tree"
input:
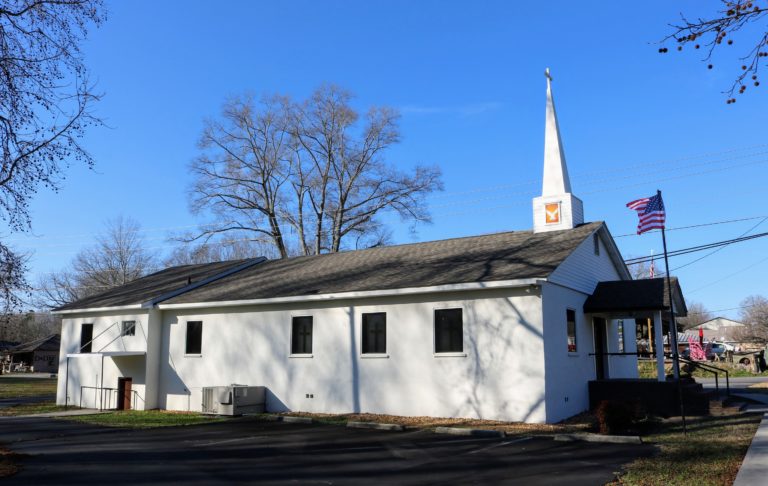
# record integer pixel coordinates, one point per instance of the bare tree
(754, 315)
(44, 109)
(309, 177)
(722, 28)
(697, 314)
(28, 326)
(216, 251)
(117, 257)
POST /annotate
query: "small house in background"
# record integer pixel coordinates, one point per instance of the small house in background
(5, 356)
(721, 329)
(39, 355)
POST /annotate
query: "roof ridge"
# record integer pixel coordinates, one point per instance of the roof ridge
(455, 238)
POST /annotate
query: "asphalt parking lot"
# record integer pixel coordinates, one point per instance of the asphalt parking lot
(249, 451)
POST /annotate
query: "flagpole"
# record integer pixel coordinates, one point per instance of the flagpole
(672, 326)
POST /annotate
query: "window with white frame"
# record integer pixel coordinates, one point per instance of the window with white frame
(570, 317)
(86, 338)
(374, 333)
(620, 333)
(449, 331)
(129, 328)
(301, 335)
(194, 342)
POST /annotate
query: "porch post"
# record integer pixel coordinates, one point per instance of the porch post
(657, 331)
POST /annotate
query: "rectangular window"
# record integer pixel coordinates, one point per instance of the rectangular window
(449, 334)
(570, 315)
(596, 243)
(375, 333)
(301, 335)
(620, 332)
(194, 337)
(86, 336)
(129, 328)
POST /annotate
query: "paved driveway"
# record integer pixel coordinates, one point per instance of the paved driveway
(246, 451)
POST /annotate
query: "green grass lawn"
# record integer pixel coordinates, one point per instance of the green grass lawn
(138, 419)
(710, 454)
(647, 369)
(17, 386)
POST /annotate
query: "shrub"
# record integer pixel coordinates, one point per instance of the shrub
(615, 417)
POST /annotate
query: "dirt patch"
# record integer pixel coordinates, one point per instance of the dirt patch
(580, 423)
(759, 385)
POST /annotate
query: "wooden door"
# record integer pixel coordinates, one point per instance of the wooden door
(124, 393)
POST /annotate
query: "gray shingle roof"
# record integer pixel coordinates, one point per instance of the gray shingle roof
(51, 342)
(501, 256)
(152, 286)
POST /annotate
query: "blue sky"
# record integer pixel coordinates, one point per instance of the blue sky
(468, 79)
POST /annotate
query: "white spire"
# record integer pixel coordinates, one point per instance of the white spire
(556, 208)
(555, 171)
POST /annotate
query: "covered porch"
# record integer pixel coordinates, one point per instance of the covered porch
(118, 380)
(646, 303)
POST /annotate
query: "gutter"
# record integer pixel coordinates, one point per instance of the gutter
(98, 309)
(527, 282)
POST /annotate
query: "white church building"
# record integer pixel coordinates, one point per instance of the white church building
(490, 326)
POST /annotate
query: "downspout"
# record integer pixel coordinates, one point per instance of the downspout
(66, 386)
(101, 387)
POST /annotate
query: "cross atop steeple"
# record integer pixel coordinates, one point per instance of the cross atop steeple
(556, 208)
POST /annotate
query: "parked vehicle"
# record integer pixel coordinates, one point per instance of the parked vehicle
(718, 350)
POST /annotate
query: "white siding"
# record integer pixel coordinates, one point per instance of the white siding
(582, 270)
(500, 376)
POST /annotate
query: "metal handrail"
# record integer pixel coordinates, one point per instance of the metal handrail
(98, 393)
(712, 369)
(705, 366)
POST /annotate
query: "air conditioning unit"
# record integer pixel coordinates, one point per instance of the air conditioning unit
(234, 399)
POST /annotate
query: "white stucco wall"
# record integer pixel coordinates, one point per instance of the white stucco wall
(500, 375)
(567, 374)
(86, 369)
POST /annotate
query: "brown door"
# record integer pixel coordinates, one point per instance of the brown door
(124, 393)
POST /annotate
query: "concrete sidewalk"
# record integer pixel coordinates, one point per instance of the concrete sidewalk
(66, 413)
(754, 469)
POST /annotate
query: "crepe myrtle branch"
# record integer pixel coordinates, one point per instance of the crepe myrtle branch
(710, 34)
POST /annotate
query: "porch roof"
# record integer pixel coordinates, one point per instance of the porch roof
(636, 295)
(108, 354)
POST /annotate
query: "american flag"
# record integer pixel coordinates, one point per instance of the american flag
(651, 212)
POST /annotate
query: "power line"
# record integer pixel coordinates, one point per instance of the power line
(750, 267)
(692, 249)
(696, 226)
(719, 248)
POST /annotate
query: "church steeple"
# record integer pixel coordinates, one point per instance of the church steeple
(555, 171)
(556, 208)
